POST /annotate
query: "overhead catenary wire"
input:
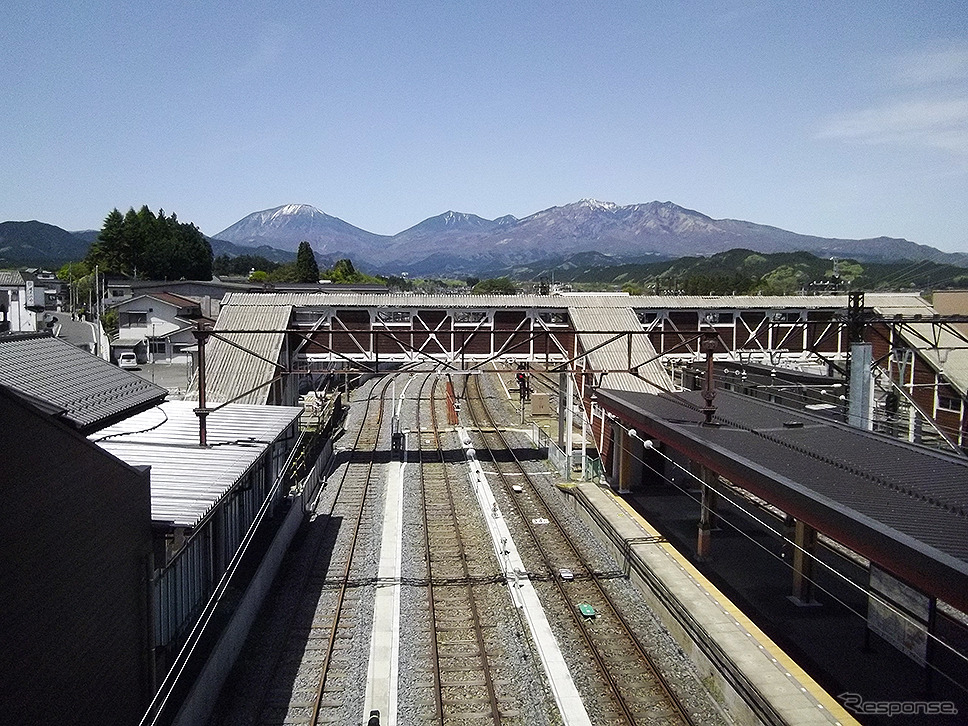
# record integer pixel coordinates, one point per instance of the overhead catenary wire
(813, 557)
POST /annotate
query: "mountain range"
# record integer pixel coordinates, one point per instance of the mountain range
(458, 243)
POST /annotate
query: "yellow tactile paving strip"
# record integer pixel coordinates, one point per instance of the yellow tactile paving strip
(835, 713)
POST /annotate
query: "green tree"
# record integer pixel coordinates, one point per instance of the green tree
(495, 286)
(78, 276)
(107, 251)
(283, 273)
(306, 268)
(343, 272)
(632, 288)
(848, 270)
(784, 280)
(110, 321)
(242, 265)
(73, 271)
(156, 248)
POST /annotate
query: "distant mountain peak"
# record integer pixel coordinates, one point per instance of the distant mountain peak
(286, 226)
(292, 209)
(596, 205)
(449, 222)
(466, 242)
(452, 217)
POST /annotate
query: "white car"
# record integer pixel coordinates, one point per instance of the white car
(128, 360)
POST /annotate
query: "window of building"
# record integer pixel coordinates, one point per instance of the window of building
(787, 316)
(309, 319)
(469, 317)
(949, 403)
(133, 320)
(393, 317)
(646, 317)
(718, 317)
(554, 317)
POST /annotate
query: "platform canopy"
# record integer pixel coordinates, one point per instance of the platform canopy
(902, 506)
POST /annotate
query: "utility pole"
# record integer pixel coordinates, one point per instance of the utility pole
(708, 346)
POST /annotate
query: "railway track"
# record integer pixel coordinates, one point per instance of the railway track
(628, 686)
(475, 674)
(316, 629)
(463, 666)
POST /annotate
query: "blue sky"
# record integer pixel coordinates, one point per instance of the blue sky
(841, 119)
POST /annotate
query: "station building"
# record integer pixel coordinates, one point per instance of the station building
(118, 526)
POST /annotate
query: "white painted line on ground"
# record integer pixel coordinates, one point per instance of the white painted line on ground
(381, 682)
(523, 594)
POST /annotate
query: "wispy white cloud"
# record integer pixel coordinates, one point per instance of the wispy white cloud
(938, 65)
(924, 122)
(924, 105)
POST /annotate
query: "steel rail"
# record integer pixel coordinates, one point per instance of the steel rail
(677, 706)
(468, 587)
(439, 701)
(308, 563)
(338, 610)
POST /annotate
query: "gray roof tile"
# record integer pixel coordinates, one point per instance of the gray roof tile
(90, 392)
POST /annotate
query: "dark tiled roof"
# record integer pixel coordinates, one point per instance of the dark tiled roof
(89, 392)
(11, 278)
(901, 505)
(177, 300)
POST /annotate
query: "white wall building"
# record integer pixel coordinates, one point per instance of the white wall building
(157, 327)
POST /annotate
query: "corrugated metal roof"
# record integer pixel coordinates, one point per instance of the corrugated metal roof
(231, 371)
(659, 302)
(614, 355)
(186, 479)
(898, 304)
(90, 391)
(949, 357)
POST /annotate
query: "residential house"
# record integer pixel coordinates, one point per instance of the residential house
(156, 326)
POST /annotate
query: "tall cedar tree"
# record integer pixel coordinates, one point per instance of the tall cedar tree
(306, 268)
(142, 245)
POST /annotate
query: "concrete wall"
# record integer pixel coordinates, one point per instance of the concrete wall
(76, 527)
(197, 709)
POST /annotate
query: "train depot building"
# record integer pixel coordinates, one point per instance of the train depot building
(883, 488)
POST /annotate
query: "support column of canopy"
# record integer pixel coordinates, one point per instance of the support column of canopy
(707, 514)
(621, 460)
(805, 544)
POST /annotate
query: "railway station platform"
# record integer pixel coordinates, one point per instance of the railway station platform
(830, 639)
(753, 678)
